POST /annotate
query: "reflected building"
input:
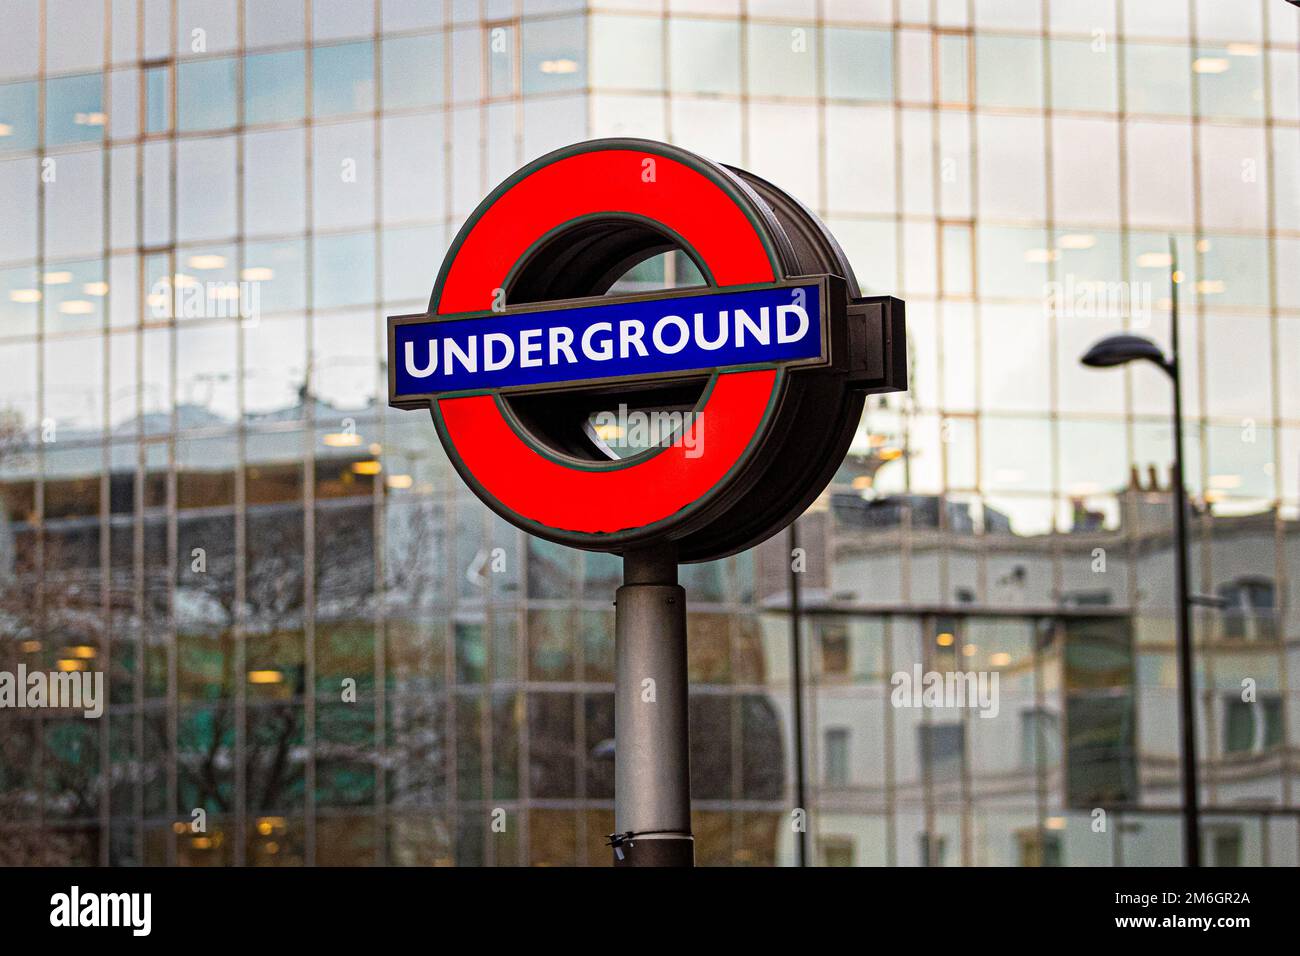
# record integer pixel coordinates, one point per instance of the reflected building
(316, 635)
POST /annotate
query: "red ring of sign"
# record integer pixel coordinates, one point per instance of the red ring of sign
(600, 498)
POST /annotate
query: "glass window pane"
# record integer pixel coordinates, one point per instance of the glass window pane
(1230, 82)
(74, 109)
(1083, 75)
(74, 295)
(205, 94)
(339, 19)
(274, 189)
(554, 55)
(274, 24)
(1012, 180)
(1012, 261)
(705, 56)
(20, 40)
(280, 272)
(157, 108)
(412, 72)
(17, 116)
(344, 270)
(1008, 71)
(859, 64)
(20, 298)
(343, 79)
(18, 199)
(954, 69)
(1015, 379)
(205, 181)
(274, 87)
(1157, 79)
(500, 55)
(782, 60)
(627, 53)
(207, 26)
(1234, 271)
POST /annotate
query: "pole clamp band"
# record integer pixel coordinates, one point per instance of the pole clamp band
(628, 838)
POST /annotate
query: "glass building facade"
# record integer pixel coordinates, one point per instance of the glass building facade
(312, 632)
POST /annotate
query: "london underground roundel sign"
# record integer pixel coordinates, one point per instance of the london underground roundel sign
(756, 377)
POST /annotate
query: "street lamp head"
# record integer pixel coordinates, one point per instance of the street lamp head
(1122, 349)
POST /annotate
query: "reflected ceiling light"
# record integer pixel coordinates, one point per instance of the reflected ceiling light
(76, 307)
(366, 467)
(89, 119)
(1085, 488)
(268, 825)
(201, 843)
(1041, 255)
(181, 280)
(31, 647)
(1178, 276)
(1202, 245)
(608, 431)
(1213, 496)
(970, 650)
(559, 66)
(1055, 823)
(207, 261)
(342, 439)
(1077, 240)
(1155, 260)
(257, 274)
(25, 295)
(944, 640)
(1210, 286)
(265, 677)
(6, 129)
(400, 482)
(1243, 49)
(1000, 659)
(56, 278)
(889, 454)
(68, 666)
(861, 482)
(95, 288)
(82, 651)
(1210, 64)
(376, 448)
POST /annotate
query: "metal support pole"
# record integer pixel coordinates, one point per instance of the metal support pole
(652, 777)
(1186, 671)
(796, 697)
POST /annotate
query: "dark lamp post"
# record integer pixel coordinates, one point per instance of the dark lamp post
(1120, 350)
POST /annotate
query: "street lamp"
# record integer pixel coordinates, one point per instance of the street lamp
(1119, 350)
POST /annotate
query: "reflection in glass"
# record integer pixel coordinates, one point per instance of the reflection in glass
(554, 55)
(205, 94)
(274, 87)
(74, 111)
(343, 79)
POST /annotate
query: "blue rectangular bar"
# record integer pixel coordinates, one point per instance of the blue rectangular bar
(639, 338)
